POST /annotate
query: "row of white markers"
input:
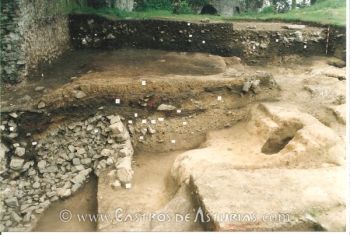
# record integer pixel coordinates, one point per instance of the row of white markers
(160, 119)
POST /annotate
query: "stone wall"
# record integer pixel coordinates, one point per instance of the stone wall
(227, 7)
(32, 32)
(12, 53)
(37, 172)
(127, 5)
(225, 39)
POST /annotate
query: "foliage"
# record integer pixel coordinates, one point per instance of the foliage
(327, 12)
(197, 2)
(106, 11)
(267, 10)
(143, 5)
(181, 7)
(281, 6)
(252, 4)
(97, 3)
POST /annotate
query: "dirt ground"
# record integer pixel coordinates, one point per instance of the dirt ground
(153, 187)
(83, 202)
(193, 83)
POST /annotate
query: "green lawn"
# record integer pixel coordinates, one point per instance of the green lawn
(325, 12)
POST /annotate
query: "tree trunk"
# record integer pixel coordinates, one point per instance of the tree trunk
(294, 4)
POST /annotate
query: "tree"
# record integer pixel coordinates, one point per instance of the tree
(294, 4)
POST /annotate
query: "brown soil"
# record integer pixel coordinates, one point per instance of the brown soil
(192, 82)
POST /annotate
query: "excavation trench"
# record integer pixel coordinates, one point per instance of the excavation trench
(152, 184)
(153, 189)
(168, 102)
(71, 131)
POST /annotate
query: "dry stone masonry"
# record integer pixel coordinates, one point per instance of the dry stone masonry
(36, 173)
(35, 33)
(32, 33)
(252, 42)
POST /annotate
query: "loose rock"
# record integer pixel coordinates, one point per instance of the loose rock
(246, 86)
(124, 170)
(294, 26)
(39, 88)
(79, 94)
(41, 105)
(16, 164)
(3, 150)
(116, 184)
(125, 152)
(117, 128)
(12, 202)
(166, 107)
(106, 152)
(13, 115)
(62, 192)
(20, 151)
(76, 161)
(42, 165)
(36, 185)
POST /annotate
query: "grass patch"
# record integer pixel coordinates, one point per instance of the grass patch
(324, 12)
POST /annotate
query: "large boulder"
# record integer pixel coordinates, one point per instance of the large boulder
(269, 199)
(280, 170)
(180, 212)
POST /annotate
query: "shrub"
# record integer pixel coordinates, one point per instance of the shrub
(181, 7)
(197, 2)
(267, 10)
(143, 5)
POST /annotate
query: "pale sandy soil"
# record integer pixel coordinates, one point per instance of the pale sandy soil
(310, 85)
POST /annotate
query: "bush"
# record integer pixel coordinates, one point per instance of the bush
(197, 2)
(252, 4)
(267, 10)
(184, 7)
(144, 5)
(281, 6)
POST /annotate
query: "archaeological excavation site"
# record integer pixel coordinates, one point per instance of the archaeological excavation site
(174, 123)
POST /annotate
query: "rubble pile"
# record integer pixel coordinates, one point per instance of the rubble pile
(35, 174)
